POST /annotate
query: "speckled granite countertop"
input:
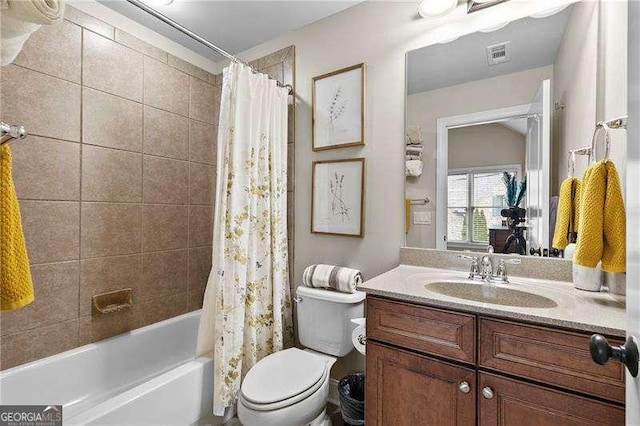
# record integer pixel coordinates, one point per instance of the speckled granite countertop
(576, 309)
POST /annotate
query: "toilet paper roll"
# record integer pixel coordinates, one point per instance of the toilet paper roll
(358, 338)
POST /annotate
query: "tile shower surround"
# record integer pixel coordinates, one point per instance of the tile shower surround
(115, 181)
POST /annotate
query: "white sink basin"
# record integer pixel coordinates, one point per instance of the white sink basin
(491, 293)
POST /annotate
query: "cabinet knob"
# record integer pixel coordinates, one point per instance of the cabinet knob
(464, 387)
(487, 392)
(627, 354)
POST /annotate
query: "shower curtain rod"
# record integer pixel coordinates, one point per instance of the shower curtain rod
(9, 132)
(151, 11)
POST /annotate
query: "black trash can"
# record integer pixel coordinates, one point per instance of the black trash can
(351, 389)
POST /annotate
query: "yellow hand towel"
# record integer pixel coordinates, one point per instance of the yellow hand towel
(16, 287)
(563, 215)
(614, 256)
(602, 226)
(577, 198)
(567, 216)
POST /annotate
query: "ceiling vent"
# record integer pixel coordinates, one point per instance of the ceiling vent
(499, 53)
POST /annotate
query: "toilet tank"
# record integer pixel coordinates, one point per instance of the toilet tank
(324, 319)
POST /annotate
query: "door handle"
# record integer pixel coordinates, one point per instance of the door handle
(602, 351)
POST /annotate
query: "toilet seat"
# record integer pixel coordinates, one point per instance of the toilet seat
(283, 379)
(286, 402)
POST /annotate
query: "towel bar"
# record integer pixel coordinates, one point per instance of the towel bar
(420, 201)
(10, 132)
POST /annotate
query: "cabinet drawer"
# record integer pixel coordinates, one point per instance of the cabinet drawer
(424, 329)
(556, 357)
(510, 402)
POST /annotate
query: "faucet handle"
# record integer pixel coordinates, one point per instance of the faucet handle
(474, 269)
(501, 272)
(467, 257)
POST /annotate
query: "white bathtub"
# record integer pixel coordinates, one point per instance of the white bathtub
(148, 376)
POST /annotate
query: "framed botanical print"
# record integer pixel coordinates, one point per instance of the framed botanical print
(338, 109)
(337, 197)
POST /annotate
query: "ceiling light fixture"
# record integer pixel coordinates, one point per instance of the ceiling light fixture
(436, 8)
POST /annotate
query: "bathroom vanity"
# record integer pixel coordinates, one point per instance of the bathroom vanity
(508, 354)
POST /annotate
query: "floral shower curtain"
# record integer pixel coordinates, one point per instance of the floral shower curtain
(247, 305)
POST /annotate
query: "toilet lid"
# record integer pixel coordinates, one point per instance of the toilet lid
(282, 376)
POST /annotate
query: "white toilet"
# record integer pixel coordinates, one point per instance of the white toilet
(291, 387)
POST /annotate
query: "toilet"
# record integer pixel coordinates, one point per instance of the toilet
(291, 387)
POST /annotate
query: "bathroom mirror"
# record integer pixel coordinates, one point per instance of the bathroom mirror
(500, 105)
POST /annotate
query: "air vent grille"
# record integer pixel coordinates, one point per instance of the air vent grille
(499, 53)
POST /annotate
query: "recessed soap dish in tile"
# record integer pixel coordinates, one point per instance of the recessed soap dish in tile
(110, 302)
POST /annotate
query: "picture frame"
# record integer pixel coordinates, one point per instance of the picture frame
(338, 109)
(337, 197)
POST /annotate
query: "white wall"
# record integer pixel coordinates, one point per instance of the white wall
(612, 81)
(484, 146)
(574, 85)
(378, 34)
(425, 108)
(590, 79)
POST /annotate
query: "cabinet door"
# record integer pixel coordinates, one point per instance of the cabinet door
(508, 402)
(403, 388)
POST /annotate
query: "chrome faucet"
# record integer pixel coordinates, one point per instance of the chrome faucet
(483, 269)
(487, 265)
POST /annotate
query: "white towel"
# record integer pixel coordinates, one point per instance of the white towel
(338, 278)
(21, 18)
(413, 168)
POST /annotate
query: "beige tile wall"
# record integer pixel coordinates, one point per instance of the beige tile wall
(115, 182)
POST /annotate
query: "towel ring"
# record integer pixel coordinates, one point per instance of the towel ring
(571, 163)
(607, 141)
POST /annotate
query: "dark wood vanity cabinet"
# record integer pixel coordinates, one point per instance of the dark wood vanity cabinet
(516, 402)
(409, 389)
(433, 366)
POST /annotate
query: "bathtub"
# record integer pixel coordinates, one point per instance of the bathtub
(147, 376)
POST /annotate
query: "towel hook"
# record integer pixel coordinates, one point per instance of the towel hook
(607, 141)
